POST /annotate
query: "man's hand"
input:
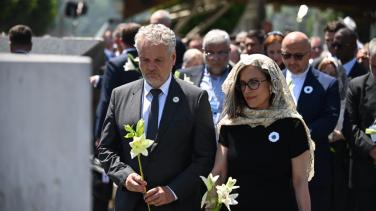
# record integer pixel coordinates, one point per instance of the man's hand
(135, 183)
(159, 196)
(337, 135)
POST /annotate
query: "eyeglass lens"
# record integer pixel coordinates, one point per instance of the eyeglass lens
(296, 56)
(252, 84)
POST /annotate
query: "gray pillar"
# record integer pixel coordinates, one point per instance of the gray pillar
(45, 133)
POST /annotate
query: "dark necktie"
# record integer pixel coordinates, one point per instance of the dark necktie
(153, 115)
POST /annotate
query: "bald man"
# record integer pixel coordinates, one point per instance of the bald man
(164, 17)
(317, 99)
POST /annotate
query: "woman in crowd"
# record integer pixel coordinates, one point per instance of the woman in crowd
(263, 141)
(272, 45)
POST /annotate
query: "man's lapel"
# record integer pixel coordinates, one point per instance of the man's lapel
(173, 100)
(307, 90)
(135, 108)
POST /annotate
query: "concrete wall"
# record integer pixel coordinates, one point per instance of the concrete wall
(45, 133)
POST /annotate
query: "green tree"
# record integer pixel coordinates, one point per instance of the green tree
(37, 14)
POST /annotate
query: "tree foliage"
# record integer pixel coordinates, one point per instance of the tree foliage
(37, 14)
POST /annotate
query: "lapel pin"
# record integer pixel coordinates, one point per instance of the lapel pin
(175, 99)
(273, 137)
(308, 89)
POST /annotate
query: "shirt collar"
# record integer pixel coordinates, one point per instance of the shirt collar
(349, 65)
(299, 75)
(163, 88)
(224, 73)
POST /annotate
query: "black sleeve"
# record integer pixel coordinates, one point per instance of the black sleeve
(298, 142)
(223, 136)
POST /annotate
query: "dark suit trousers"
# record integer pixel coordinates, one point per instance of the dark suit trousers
(340, 175)
(365, 200)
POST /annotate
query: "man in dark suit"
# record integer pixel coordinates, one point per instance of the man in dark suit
(115, 74)
(317, 98)
(345, 48)
(177, 117)
(360, 113)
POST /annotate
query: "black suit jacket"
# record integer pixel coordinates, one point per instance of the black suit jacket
(360, 113)
(320, 110)
(113, 77)
(185, 144)
(357, 70)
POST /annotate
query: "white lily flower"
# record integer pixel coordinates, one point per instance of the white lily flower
(139, 145)
(224, 196)
(231, 184)
(209, 183)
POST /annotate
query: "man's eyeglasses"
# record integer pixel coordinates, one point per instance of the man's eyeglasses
(296, 56)
(252, 84)
(212, 54)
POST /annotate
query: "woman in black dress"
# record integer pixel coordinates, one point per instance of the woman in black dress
(263, 141)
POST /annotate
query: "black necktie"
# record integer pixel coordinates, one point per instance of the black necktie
(153, 115)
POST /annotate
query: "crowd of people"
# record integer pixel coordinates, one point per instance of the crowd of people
(287, 115)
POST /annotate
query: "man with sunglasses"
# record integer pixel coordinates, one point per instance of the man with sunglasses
(316, 96)
(345, 48)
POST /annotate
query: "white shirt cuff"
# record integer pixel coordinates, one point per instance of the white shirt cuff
(173, 193)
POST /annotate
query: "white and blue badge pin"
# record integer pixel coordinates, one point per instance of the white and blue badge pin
(273, 137)
(308, 89)
(175, 99)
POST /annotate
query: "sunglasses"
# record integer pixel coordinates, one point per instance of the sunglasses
(338, 45)
(252, 84)
(296, 56)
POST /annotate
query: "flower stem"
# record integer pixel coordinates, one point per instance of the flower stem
(142, 174)
(140, 166)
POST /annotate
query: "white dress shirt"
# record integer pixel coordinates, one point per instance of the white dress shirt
(295, 83)
(148, 97)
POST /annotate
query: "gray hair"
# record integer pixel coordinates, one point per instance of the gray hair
(216, 36)
(372, 47)
(156, 34)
